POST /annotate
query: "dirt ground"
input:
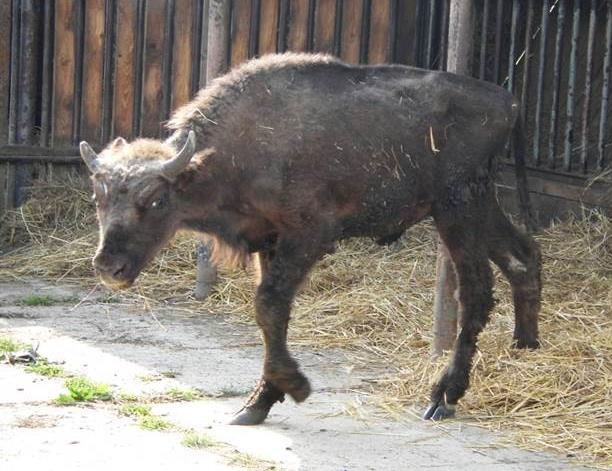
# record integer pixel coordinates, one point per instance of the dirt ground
(148, 358)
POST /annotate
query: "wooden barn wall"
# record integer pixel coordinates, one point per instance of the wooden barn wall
(96, 69)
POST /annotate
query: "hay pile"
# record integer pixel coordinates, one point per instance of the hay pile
(376, 303)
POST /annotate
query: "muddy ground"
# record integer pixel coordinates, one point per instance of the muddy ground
(148, 358)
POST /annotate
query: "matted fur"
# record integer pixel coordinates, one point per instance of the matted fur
(205, 108)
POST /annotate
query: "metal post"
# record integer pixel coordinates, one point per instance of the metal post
(217, 52)
(460, 40)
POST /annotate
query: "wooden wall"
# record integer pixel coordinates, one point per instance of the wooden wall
(96, 69)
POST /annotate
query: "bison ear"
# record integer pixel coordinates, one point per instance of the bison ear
(118, 143)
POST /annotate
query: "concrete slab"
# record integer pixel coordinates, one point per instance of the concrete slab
(129, 349)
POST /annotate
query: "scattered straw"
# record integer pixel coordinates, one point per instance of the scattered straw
(375, 303)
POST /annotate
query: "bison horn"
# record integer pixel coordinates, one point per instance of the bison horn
(173, 167)
(89, 156)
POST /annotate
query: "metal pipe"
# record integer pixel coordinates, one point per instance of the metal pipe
(552, 133)
(605, 90)
(540, 84)
(571, 87)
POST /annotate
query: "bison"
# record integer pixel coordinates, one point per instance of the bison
(288, 154)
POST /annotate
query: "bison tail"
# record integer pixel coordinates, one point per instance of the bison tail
(519, 150)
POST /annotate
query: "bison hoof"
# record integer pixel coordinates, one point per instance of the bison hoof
(526, 343)
(250, 416)
(439, 411)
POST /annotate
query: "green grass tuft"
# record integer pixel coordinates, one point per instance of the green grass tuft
(44, 368)
(37, 300)
(153, 422)
(198, 440)
(185, 395)
(65, 400)
(83, 390)
(135, 410)
(8, 345)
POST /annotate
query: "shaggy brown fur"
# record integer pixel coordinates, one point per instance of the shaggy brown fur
(295, 152)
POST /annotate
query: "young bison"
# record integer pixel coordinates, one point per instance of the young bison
(290, 153)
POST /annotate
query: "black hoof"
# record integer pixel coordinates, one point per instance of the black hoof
(439, 411)
(526, 343)
(250, 416)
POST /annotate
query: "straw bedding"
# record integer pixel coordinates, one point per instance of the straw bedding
(376, 302)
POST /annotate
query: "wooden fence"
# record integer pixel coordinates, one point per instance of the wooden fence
(95, 69)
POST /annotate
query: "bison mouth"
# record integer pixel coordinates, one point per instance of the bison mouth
(116, 284)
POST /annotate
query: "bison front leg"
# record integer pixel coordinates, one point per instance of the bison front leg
(475, 284)
(281, 276)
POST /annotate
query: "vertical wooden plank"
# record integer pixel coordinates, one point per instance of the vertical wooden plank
(5, 57)
(91, 105)
(379, 48)
(182, 62)
(203, 52)
(152, 85)
(218, 38)
(64, 73)
(407, 32)
(241, 24)
(268, 27)
(324, 26)
(297, 38)
(125, 78)
(352, 18)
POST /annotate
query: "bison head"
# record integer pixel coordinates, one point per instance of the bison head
(136, 203)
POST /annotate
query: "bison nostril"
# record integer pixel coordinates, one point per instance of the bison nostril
(119, 271)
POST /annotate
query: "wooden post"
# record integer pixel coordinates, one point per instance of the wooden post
(217, 51)
(460, 41)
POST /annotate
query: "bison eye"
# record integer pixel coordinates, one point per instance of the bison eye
(158, 203)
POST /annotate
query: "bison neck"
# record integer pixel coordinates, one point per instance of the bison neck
(214, 209)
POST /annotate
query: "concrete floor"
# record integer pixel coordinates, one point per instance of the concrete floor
(120, 345)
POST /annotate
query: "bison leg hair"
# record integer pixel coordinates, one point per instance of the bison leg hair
(518, 257)
(281, 274)
(475, 284)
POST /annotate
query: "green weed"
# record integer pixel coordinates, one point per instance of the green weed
(8, 345)
(198, 440)
(83, 390)
(153, 422)
(44, 368)
(38, 300)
